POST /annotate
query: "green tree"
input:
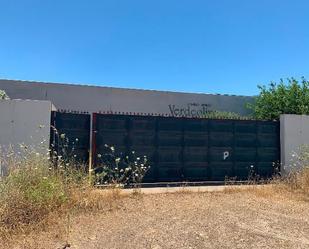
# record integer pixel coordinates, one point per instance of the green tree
(291, 97)
(3, 95)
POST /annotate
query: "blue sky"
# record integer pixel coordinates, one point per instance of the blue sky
(218, 46)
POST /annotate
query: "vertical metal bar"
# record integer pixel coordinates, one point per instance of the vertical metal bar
(182, 170)
(208, 177)
(278, 146)
(56, 131)
(156, 158)
(92, 145)
(128, 134)
(256, 148)
(233, 149)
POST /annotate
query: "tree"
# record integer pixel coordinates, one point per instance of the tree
(3, 95)
(291, 97)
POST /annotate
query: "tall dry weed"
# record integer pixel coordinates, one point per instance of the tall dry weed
(297, 182)
(35, 194)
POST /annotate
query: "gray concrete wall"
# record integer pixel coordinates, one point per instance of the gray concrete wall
(24, 122)
(294, 134)
(124, 101)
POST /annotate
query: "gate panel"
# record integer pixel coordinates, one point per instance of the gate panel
(195, 149)
(243, 154)
(244, 169)
(111, 122)
(143, 139)
(245, 140)
(181, 149)
(76, 129)
(169, 172)
(268, 147)
(195, 139)
(221, 170)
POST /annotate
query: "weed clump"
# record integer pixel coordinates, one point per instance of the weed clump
(298, 182)
(37, 191)
(31, 190)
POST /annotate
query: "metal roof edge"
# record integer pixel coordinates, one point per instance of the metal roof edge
(121, 88)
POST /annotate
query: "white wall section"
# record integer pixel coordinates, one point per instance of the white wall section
(294, 135)
(24, 122)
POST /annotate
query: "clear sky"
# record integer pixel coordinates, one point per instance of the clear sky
(217, 46)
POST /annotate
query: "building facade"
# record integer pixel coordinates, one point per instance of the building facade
(95, 99)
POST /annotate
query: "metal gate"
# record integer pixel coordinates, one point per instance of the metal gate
(186, 149)
(71, 132)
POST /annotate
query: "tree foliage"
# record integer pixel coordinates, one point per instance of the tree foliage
(291, 97)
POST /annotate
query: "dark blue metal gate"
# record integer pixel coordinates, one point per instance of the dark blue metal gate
(70, 135)
(186, 149)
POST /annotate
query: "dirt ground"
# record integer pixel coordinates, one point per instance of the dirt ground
(229, 219)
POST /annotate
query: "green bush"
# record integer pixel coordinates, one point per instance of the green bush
(291, 97)
(29, 192)
(34, 187)
(48, 190)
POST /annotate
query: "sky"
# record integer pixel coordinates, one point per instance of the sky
(207, 46)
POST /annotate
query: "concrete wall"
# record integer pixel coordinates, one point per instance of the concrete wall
(124, 101)
(24, 122)
(294, 134)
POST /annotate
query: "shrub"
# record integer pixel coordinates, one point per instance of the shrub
(29, 193)
(298, 179)
(37, 191)
(35, 187)
(123, 169)
(34, 194)
(291, 97)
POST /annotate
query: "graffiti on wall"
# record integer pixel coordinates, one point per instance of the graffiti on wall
(192, 110)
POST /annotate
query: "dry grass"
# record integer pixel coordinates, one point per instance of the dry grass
(44, 208)
(28, 195)
(298, 182)
(35, 196)
(58, 222)
(27, 221)
(240, 219)
(91, 199)
(293, 186)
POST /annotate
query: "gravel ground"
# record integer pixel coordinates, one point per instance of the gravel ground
(239, 219)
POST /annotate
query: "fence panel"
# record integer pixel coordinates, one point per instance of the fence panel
(71, 132)
(181, 149)
(196, 149)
